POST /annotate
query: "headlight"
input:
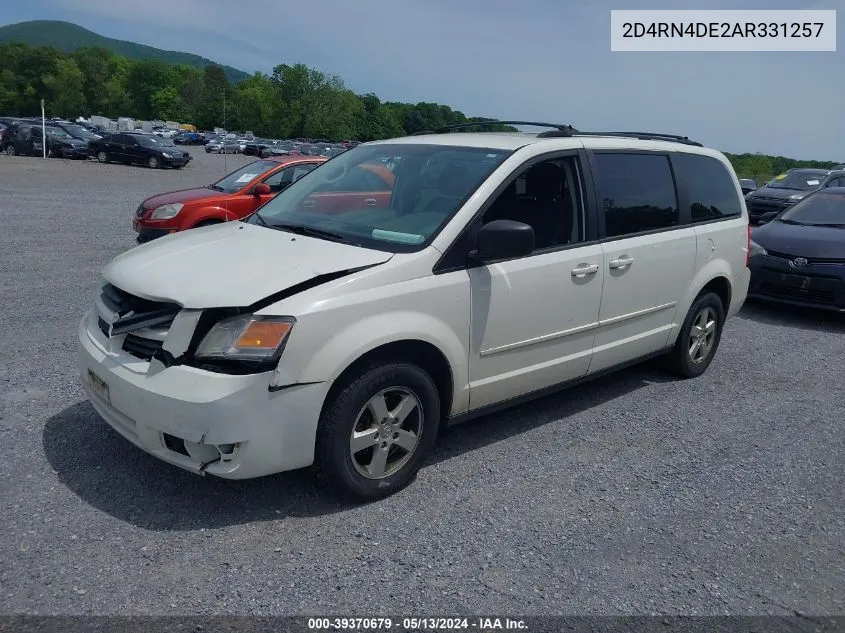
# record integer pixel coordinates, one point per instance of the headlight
(246, 337)
(166, 155)
(756, 249)
(167, 211)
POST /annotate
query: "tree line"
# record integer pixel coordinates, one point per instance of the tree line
(293, 101)
(762, 168)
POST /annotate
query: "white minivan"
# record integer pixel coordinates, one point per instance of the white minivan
(411, 283)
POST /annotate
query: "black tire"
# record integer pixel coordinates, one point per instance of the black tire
(333, 458)
(153, 163)
(102, 156)
(10, 150)
(680, 358)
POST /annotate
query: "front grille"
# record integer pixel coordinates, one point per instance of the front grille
(140, 347)
(810, 260)
(764, 205)
(135, 313)
(800, 294)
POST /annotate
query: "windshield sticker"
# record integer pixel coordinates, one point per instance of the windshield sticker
(780, 176)
(246, 177)
(812, 182)
(393, 236)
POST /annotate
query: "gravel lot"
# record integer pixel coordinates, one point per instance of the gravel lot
(634, 494)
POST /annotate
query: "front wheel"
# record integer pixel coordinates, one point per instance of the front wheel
(102, 157)
(699, 337)
(152, 162)
(10, 150)
(376, 430)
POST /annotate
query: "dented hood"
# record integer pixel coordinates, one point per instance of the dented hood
(230, 265)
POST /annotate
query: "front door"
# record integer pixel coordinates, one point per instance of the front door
(534, 318)
(648, 257)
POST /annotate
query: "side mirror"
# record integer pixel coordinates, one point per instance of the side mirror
(768, 217)
(261, 189)
(503, 239)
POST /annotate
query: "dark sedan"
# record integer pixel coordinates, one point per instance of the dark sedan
(747, 185)
(798, 257)
(782, 191)
(144, 149)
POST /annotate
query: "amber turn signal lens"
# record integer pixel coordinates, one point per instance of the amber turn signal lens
(263, 334)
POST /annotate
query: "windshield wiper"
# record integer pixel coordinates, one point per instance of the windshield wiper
(310, 231)
(791, 222)
(833, 225)
(261, 220)
(215, 187)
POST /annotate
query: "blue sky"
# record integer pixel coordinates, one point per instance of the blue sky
(549, 61)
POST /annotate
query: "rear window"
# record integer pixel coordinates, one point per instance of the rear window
(710, 187)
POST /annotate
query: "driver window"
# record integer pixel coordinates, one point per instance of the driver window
(548, 197)
(287, 176)
(279, 180)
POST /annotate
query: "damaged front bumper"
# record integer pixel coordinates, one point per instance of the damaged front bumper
(232, 426)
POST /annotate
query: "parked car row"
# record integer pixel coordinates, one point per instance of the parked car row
(788, 188)
(270, 147)
(25, 137)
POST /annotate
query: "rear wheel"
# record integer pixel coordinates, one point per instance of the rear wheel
(102, 157)
(10, 150)
(376, 429)
(699, 337)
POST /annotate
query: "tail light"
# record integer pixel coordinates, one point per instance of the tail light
(748, 247)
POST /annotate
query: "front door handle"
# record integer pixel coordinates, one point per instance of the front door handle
(621, 262)
(370, 202)
(582, 270)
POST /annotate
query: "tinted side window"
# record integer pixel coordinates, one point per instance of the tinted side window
(711, 189)
(637, 192)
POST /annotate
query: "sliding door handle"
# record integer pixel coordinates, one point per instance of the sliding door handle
(585, 269)
(621, 262)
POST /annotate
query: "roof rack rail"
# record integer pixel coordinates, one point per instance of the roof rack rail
(647, 136)
(560, 128)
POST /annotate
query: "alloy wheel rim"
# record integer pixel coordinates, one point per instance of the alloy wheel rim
(702, 335)
(386, 432)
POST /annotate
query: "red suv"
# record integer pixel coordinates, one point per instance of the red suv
(233, 197)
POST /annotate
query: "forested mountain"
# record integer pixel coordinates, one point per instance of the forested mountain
(69, 37)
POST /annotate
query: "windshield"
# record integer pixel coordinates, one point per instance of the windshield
(57, 132)
(798, 180)
(385, 196)
(237, 180)
(818, 209)
(80, 132)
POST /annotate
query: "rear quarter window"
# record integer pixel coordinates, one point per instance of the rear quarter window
(710, 187)
(636, 192)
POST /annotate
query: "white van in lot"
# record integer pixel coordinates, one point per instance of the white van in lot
(412, 283)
